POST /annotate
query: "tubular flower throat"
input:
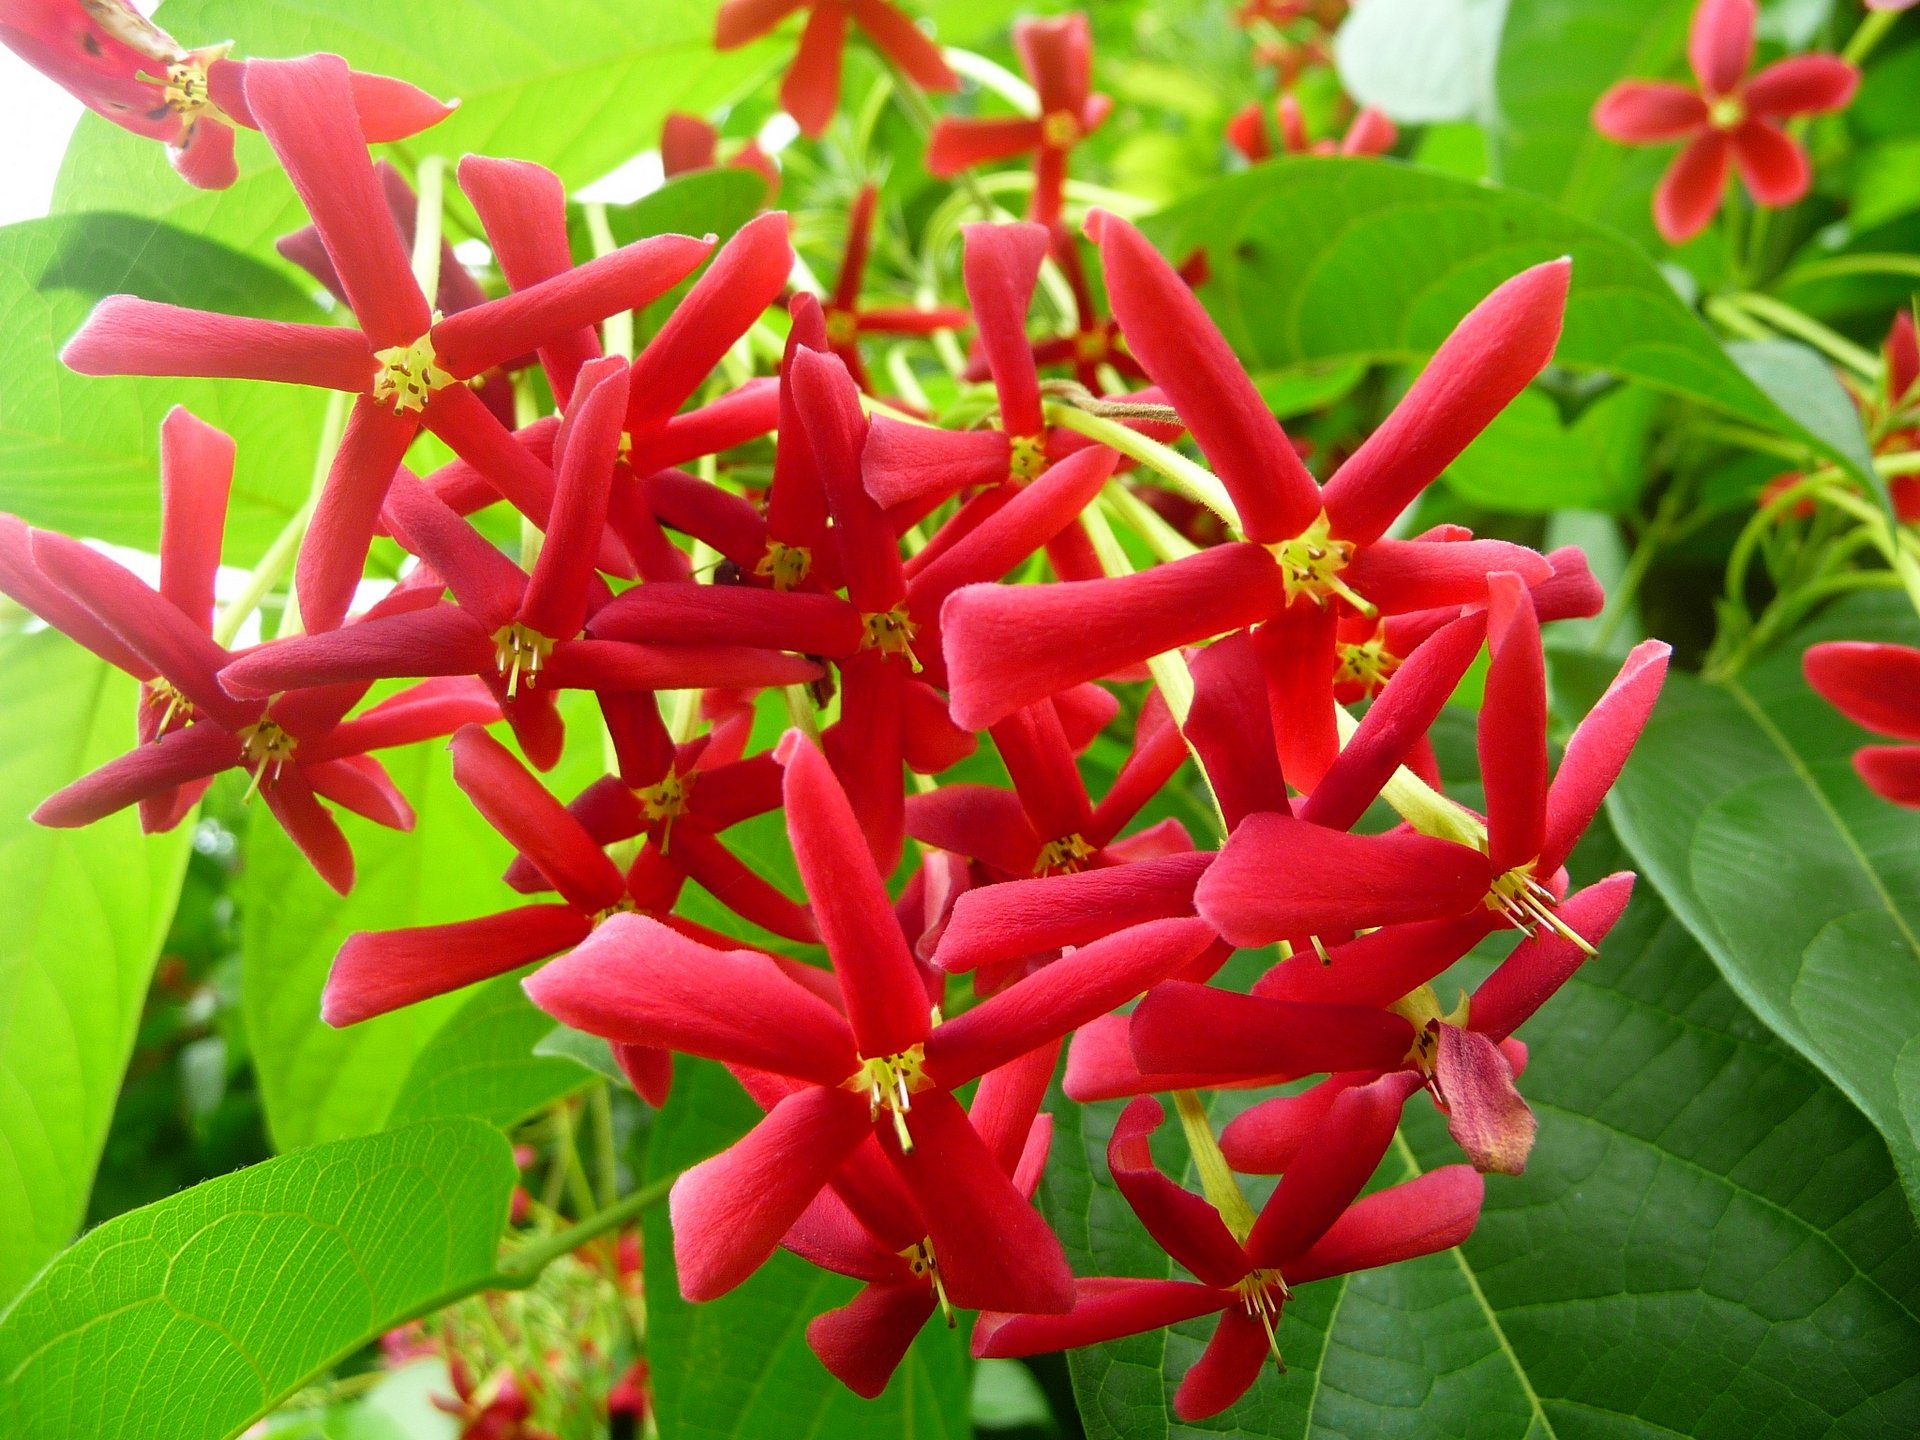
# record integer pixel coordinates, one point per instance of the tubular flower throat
(187, 91)
(163, 695)
(1366, 663)
(890, 1082)
(1066, 856)
(1060, 130)
(667, 800)
(785, 565)
(517, 650)
(265, 744)
(409, 374)
(925, 1265)
(1421, 1009)
(1310, 565)
(1026, 456)
(843, 325)
(890, 632)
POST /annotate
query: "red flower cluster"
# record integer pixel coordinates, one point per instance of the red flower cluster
(903, 1137)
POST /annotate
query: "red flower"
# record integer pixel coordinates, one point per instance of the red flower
(1877, 686)
(406, 368)
(811, 89)
(1732, 119)
(688, 143)
(1058, 58)
(845, 319)
(1370, 133)
(1093, 341)
(1311, 554)
(121, 65)
(885, 1068)
(1314, 1227)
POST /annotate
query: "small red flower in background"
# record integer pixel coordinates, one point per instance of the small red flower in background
(1370, 133)
(847, 321)
(120, 65)
(1058, 58)
(811, 91)
(1877, 686)
(688, 143)
(1731, 120)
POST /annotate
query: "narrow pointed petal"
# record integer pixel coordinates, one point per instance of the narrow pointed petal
(1403, 575)
(1331, 1170)
(1690, 192)
(1002, 266)
(1171, 335)
(486, 583)
(505, 466)
(866, 750)
(1379, 967)
(862, 1343)
(809, 623)
(917, 465)
(1645, 112)
(1187, 1227)
(1297, 655)
(1434, 1212)
(1802, 85)
(886, 1002)
(297, 104)
(380, 971)
(425, 711)
(979, 822)
(743, 890)
(961, 144)
(811, 90)
(730, 1212)
(1231, 728)
(538, 825)
(1891, 771)
(1284, 879)
(1185, 1029)
(1011, 921)
(1771, 163)
(741, 21)
(836, 432)
(361, 785)
(1720, 44)
(896, 36)
(1513, 727)
(1501, 344)
(1541, 964)
(1104, 1309)
(994, 1250)
(23, 581)
(333, 556)
(1599, 747)
(443, 640)
(312, 829)
(1007, 1102)
(1063, 996)
(126, 335)
(1009, 646)
(1033, 746)
(1265, 1139)
(639, 982)
(151, 769)
(391, 109)
(196, 472)
(1226, 1369)
(563, 577)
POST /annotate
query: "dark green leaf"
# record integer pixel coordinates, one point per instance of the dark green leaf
(1528, 463)
(86, 914)
(486, 1062)
(1802, 383)
(193, 1317)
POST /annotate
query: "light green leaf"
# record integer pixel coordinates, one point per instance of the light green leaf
(738, 1368)
(191, 1318)
(82, 454)
(486, 1062)
(86, 913)
(1315, 259)
(580, 97)
(1742, 804)
(1802, 383)
(586, 1051)
(1528, 463)
(1708, 1242)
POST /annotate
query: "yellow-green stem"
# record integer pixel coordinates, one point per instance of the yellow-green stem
(1196, 482)
(430, 184)
(617, 331)
(1216, 1177)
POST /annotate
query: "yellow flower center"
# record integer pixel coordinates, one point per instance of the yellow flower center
(1421, 1009)
(1729, 112)
(187, 92)
(666, 801)
(1026, 456)
(1090, 346)
(623, 906)
(926, 1266)
(1066, 856)
(264, 744)
(1529, 905)
(409, 374)
(890, 632)
(519, 650)
(843, 326)
(1310, 565)
(1059, 129)
(890, 1082)
(1366, 664)
(163, 695)
(1262, 1294)
(785, 565)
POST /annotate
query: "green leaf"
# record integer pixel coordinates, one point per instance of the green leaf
(319, 1083)
(579, 97)
(1708, 1242)
(1802, 383)
(1528, 463)
(486, 1062)
(577, 1047)
(738, 1368)
(87, 911)
(1422, 60)
(191, 1318)
(1556, 59)
(1742, 804)
(81, 454)
(1316, 259)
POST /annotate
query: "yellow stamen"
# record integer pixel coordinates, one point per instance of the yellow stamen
(785, 565)
(890, 1082)
(1421, 1009)
(1528, 905)
(409, 374)
(187, 92)
(163, 695)
(666, 801)
(1367, 664)
(1263, 1293)
(623, 906)
(843, 326)
(264, 744)
(1026, 456)
(1066, 856)
(1059, 129)
(1729, 112)
(1310, 565)
(517, 650)
(891, 633)
(926, 1266)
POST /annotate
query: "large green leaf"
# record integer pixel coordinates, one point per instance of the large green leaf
(86, 912)
(1530, 463)
(81, 454)
(1326, 258)
(191, 1318)
(319, 1083)
(580, 97)
(1556, 58)
(1708, 1242)
(738, 1368)
(1743, 807)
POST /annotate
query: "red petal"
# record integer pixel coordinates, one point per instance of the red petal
(1297, 656)
(1265, 1139)
(155, 767)
(811, 90)
(1403, 575)
(360, 784)
(740, 21)
(1104, 1309)
(1226, 1369)
(1645, 112)
(957, 145)
(425, 642)
(886, 1003)
(22, 580)
(639, 982)
(615, 665)
(1875, 685)
(1485, 1114)
(563, 577)
(1379, 967)
(1513, 727)
(1033, 917)
(1540, 965)
(1601, 743)
(1033, 747)
(863, 1343)
(1720, 44)
(1501, 344)
(126, 335)
(1690, 192)
(866, 749)
(537, 825)
(1186, 1029)
(904, 43)
(505, 465)
(196, 472)
(334, 553)
(1802, 85)
(1890, 771)
(1002, 265)
(730, 1212)
(799, 620)
(392, 110)
(689, 143)
(1435, 1212)
(919, 465)
(1006, 1105)
(486, 583)
(1185, 354)
(1187, 1227)
(648, 1070)
(385, 970)
(206, 160)
(1057, 54)
(1077, 988)
(420, 712)
(747, 893)
(1231, 728)
(1772, 164)
(978, 822)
